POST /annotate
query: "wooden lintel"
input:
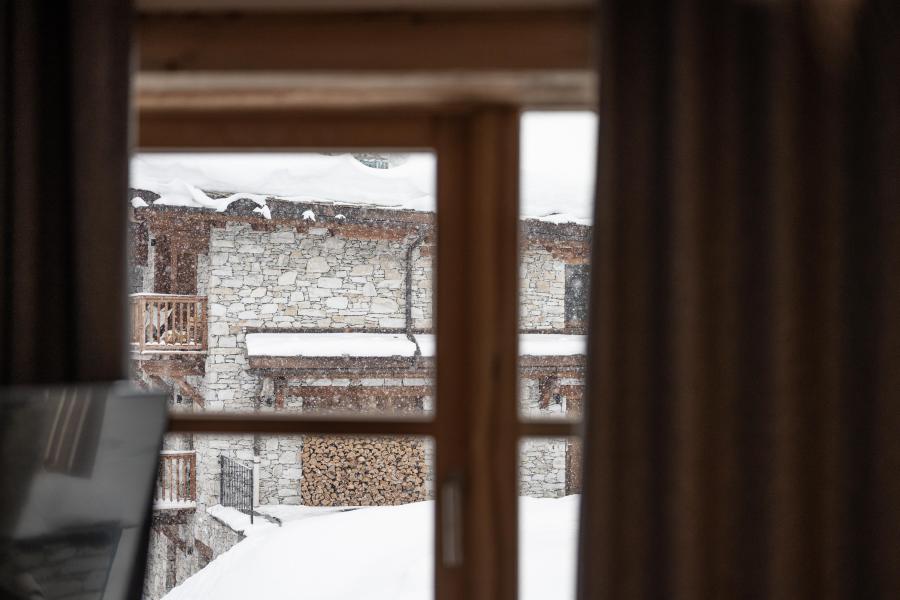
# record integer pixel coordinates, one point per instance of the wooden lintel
(327, 42)
(292, 423)
(329, 391)
(418, 372)
(552, 362)
(336, 366)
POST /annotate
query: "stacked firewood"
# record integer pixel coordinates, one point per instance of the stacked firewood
(348, 471)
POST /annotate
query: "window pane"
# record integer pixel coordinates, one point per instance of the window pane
(549, 472)
(558, 156)
(284, 283)
(266, 516)
(558, 153)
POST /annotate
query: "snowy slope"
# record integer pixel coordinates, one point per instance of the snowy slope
(378, 553)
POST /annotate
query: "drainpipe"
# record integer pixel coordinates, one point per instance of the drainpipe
(417, 241)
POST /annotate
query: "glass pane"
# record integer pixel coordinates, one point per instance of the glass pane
(558, 153)
(284, 282)
(558, 157)
(270, 517)
(549, 488)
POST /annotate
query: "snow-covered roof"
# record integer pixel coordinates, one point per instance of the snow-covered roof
(364, 345)
(552, 344)
(530, 344)
(329, 345)
(557, 167)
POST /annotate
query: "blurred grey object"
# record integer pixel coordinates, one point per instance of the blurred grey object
(77, 465)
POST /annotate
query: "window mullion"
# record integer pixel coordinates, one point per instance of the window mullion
(476, 336)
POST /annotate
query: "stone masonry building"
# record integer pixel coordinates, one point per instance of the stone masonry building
(318, 307)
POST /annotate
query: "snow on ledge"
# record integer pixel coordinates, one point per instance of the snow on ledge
(360, 345)
(238, 521)
(530, 344)
(329, 344)
(173, 504)
(552, 344)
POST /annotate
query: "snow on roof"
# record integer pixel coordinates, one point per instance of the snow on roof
(557, 175)
(530, 344)
(552, 344)
(329, 344)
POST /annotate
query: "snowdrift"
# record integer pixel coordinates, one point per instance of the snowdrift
(378, 553)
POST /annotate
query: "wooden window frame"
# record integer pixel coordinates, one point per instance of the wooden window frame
(475, 424)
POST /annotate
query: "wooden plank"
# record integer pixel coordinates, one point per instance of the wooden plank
(324, 363)
(191, 392)
(436, 41)
(550, 428)
(294, 423)
(556, 89)
(352, 5)
(283, 129)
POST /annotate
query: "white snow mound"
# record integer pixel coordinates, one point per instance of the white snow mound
(379, 553)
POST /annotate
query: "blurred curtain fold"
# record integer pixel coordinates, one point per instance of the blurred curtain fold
(743, 419)
(64, 150)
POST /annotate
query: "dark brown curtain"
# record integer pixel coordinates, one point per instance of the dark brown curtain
(64, 151)
(743, 424)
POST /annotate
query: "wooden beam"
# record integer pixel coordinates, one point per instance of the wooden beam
(551, 428)
(187, 130)
(179, 366)
(350, 5)
(571, 89)
(323, 42)
(292, 423)
(191, 392)
(344, 364)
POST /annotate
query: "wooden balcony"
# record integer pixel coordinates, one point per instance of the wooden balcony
(168, 323)
(176, 482)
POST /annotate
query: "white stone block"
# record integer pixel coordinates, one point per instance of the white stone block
(383, 305)
(287, 278)
(337, 302)
(218, 328)
(329, 282)
(317, 264)
(362, 270)
(283, 237)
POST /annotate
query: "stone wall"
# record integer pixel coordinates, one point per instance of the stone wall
(542, 467)
(542, 290)
(282, 278)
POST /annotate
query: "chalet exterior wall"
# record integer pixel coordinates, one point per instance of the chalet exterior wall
(322, 275)
(542, 290)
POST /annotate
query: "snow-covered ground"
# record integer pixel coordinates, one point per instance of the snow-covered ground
(377, 553)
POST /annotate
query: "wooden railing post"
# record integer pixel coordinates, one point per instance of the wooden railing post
(177, 477)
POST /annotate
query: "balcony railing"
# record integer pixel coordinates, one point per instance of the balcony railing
(168, 322)
(176, 482)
